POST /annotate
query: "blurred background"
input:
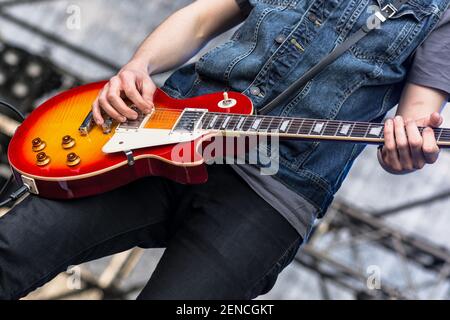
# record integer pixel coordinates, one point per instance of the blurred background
(385, 237)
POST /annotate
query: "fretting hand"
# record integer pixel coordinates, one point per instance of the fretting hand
(406, 149)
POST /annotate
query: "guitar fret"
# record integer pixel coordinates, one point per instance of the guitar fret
(285, 124)
(226, 122)
(306, 127)
(241, 122)
(213, 121)
(331, 128)
(277, 122)
(300, 126)
(256, 124)
(359, 130)
(219, 122)
(247, 124)
(293, 128)
(270, 123)
(318, 128)
(374, 131)
(352, 129)
(345, 129)
(312, 127)
(440, 134)
(206, 120)
(233, 123)
(265, 124)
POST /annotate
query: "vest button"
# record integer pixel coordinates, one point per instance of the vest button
(312, 17)
(280, 39)
(255, 91)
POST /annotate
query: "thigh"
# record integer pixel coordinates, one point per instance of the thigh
(39, 238)
(232, 245)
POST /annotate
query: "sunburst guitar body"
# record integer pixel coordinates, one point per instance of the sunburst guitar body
(59, 153)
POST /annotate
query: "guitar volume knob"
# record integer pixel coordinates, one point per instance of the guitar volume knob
(68, 142)
(73, 159)
(38, 144)
(42, 159)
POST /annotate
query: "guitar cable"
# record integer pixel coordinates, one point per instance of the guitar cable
(16, 195)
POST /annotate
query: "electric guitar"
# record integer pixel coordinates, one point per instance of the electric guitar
(59, 153)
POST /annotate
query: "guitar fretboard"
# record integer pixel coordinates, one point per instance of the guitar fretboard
(364, 132)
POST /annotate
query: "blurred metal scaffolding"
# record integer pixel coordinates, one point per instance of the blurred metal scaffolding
(364, 227)
(337, 255)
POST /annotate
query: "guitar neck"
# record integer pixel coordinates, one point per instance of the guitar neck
(306, 129)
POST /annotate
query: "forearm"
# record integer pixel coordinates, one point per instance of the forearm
(184, 33)
(419, 102)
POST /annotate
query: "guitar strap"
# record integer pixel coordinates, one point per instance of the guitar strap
(379, 18)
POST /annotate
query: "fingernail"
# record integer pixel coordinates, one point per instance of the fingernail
(398, 118)
(123, 119)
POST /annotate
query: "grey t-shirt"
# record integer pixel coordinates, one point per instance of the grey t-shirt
(430, 68)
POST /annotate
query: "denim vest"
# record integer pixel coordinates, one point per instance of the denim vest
(280, 40)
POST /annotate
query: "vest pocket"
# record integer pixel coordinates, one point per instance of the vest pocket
(394, 36)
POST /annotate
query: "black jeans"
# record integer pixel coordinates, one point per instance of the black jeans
(222, 240)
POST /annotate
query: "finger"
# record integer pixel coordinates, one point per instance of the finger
(148, 91)
(96, 113)
(389, 152)
(106, 106)
(117, 102)
(415, 145)
(436, 120)
(430, 148)
(130, 89)
(402, 144)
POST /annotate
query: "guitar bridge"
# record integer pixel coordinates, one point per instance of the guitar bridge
(137, 123)
(87, 124)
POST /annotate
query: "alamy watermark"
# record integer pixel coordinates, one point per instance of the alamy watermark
(73, 21)
(374, 277)
(260, 150)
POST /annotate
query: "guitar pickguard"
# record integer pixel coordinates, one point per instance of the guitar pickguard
(124, 140)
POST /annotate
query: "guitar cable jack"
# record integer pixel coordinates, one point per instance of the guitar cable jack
(16, 195)
(24, 189)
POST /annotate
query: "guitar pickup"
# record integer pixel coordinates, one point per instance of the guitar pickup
(189, 120)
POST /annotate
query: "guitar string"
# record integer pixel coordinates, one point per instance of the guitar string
(310, 120)
(304, 121)
(328, 124)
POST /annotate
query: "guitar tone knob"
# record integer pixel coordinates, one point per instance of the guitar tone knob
(68, 142)
(73, 159)
(38, 145)
(42, 159)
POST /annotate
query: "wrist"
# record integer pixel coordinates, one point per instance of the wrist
(137, 63)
